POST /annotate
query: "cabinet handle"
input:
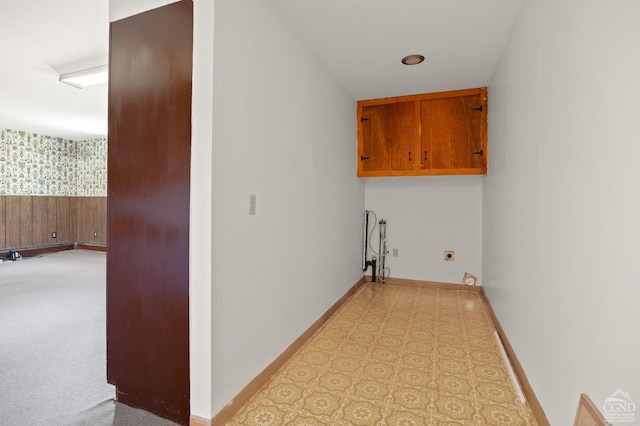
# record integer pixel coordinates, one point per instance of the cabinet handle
(481, 152)
(362, 158)
(409, 155)
(480, 108)
(426, 156)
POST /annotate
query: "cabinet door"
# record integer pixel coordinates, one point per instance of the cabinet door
(452, 133)
(388, 134)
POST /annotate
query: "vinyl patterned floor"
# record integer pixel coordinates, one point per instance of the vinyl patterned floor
(395, 355)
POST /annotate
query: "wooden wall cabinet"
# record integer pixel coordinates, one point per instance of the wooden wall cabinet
(441, 133)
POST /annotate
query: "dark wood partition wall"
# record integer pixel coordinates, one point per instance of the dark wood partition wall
(148, 173)
(28, 222)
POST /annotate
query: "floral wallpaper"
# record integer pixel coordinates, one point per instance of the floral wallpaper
(33, 164)
(92, 168)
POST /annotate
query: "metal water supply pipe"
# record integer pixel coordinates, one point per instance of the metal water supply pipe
(366, 263)
(382, 248)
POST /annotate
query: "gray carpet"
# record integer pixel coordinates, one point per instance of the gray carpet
(52, 344)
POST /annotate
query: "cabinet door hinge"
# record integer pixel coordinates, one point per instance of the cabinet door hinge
(362, 158)
(364, 119)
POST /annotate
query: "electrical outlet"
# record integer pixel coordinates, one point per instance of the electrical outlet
(395, 252)
(95, 235)
(252, 203)
(53, 234)
(449, 255)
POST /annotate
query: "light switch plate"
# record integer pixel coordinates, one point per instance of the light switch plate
(252, 204)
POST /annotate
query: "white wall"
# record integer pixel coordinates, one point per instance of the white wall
(200, 226)
(562, 200)
(284, 129)
(426, 216)
(120, 9)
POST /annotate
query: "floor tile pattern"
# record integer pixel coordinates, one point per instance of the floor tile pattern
(395, 355)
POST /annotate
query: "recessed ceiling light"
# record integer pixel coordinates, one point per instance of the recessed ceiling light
(412, 59)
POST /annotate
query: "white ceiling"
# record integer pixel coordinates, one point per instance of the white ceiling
(40, 39)
(360, 41)
(363, 41)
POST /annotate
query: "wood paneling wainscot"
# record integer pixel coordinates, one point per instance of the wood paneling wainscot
(91, 220)
(63, 220)
(12, 221)
(3, 216)
(98, 211)
(19, 232)
(74, 218)
(25, 221)
(40, 222)
(29, 222)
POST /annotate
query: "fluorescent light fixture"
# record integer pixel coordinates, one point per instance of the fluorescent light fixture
(88, 77)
